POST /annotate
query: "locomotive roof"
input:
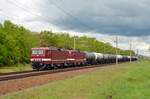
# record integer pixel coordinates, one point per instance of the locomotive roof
(46, 48)
(40, 48)
(53, 48)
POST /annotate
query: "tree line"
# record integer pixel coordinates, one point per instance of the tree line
(16, 42)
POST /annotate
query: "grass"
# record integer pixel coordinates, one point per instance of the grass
(15, 68)
(125, 81)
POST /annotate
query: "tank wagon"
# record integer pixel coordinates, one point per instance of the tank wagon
(44, 58)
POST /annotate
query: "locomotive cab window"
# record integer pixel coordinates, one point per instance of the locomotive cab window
(37, 52)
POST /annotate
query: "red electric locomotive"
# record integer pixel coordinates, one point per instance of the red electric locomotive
(50, 57)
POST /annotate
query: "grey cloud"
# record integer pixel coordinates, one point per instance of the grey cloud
(113, 17)
(123, 17)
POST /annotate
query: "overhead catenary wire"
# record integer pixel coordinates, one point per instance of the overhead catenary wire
(18, 5)
(46, 18)
(69, 14)
(27, 10)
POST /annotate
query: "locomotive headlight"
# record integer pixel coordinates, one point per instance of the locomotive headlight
(31, 60)
(46, 59)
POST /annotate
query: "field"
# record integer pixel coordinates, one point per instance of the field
(124, 81)
(15, 68)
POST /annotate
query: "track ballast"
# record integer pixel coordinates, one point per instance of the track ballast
(19, 75)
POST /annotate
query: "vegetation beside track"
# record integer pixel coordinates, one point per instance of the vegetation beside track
(125, 81)
(15, 68)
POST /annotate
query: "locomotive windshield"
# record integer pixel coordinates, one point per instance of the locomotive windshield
(34, 52)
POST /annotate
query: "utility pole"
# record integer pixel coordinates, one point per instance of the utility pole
(130, 51)
(104, 48)
(74, 40)
(137, 53)
(116, 50)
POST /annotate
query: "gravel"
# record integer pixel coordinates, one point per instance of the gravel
(24, 83)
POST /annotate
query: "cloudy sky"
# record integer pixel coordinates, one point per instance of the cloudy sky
(103, 19)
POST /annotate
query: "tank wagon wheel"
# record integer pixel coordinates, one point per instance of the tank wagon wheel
(53, 66)
(43, 67)
(58, 65)
(62, 65)
(65, 65)
(49, 67)
(72, 64)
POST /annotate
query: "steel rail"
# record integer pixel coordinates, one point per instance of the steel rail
(25, 74)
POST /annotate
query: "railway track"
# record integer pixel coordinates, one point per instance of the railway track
(18, 75)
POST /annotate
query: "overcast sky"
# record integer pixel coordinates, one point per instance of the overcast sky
(103, 19)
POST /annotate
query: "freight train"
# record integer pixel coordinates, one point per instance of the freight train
(45, 58)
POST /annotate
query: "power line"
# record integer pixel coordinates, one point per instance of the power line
(26, 10)
(68, 13)
(26, 6)
(50, 2)
(18, 5)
